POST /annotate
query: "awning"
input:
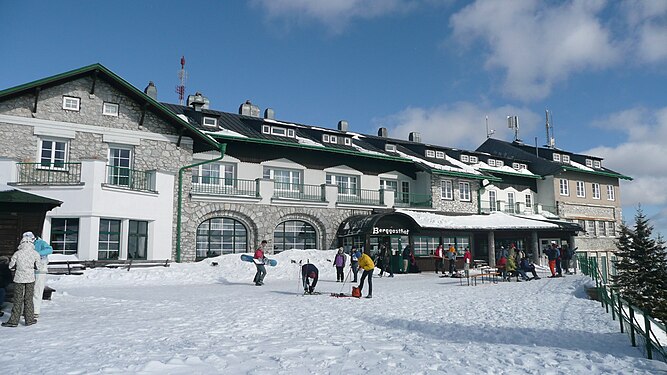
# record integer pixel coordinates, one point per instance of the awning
(493, 221)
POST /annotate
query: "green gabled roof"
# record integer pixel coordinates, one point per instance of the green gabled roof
(311, 147)
(494, 171)
(596, 172)
(49, 81)
(465, 175)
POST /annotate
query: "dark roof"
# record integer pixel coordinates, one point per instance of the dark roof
(540, 164)
(98, 71)
(13, 195)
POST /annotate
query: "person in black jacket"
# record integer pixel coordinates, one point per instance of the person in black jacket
(309, 272)
(5, 280)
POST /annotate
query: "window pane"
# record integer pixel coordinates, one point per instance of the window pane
(221, 236)
(294, 234)
(65, 236)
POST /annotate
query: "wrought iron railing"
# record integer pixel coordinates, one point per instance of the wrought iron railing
(412, 200)
(132, 179)
(303, 192)
(361, 196)
(225, 186)
(48, 173)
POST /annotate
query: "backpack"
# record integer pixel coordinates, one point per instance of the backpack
(356, 292)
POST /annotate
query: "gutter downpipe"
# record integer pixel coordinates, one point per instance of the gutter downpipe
(223, 148)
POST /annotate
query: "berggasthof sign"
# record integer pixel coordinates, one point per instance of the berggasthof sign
(377, 230)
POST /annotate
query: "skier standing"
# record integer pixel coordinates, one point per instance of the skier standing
(339, 263)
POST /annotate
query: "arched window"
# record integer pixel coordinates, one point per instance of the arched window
(221, 235)
(294, 234)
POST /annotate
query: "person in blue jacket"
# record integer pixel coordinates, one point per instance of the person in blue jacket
(355, 254)
(44, 250)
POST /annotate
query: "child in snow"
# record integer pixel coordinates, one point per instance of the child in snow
(339, 263)
(26, 260)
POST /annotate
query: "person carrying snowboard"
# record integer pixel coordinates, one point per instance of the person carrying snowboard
(259, 260)
(309, 276)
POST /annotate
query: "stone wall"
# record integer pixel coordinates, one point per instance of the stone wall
(454, 205)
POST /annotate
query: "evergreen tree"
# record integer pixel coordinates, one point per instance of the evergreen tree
(642, 267)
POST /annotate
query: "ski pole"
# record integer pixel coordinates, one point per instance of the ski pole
(345, 281)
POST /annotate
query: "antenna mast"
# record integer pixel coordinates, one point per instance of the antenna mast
(182, 77)
(513, 123)
(489, 133)
(551, 141)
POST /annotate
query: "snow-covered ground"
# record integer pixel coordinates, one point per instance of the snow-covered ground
(202, 319)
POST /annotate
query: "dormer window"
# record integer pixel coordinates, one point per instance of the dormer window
(465, 158)
(333, 139)
(211, 121)
(523, 166)
(348, 141)
(276, 130)
(439, 155)
(325, 138)
(491, 162)
(556, 157)
(390, 148)
(516, 166)
(597, 164)
(266, 129)
(589, 163)
(566, 158)
(290, 133)
(430, 153)
(473, 159)
(500, 163)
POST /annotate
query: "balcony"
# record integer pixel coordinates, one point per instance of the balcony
(518, 208)
(130, 178)
(413, 200)
(361, 196)
(225, 186)
(57, 173)
(302, 192)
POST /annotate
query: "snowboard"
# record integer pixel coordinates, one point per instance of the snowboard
(267, 261)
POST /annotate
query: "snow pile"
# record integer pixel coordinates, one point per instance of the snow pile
(198, 318)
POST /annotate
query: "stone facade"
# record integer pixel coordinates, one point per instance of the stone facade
(455, 205)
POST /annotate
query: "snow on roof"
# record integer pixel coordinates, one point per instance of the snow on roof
(580, 166)
(365, 151)
(308, 141)
(464, 167)
(283, 123)
(227, 132)
(496, 220)
(504, 168)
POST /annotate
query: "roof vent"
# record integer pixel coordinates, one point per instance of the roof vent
(151, 90)
(198, 101)
(249, 109)
(415, 137)
(269, 113)
(382, 132)
(342, 125)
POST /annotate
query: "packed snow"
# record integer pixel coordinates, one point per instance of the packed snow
(209, 318)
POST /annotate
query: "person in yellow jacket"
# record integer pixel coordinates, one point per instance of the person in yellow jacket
(366, 263)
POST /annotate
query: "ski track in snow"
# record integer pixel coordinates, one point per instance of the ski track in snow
(194, 318)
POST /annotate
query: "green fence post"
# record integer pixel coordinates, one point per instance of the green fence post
(611, 299)
(620, 311)
(647, 330)
(632, 325)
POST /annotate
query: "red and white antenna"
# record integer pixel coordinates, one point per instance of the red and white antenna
(182, 77)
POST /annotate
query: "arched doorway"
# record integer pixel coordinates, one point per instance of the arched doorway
(221, 235)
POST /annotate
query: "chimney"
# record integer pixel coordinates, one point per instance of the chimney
(415, 137)
(198, 102)
(382, 132)
(269, 113)
(151, 90)
(342, 125)
(249, 109)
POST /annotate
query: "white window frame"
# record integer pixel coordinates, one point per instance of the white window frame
(439, 155)
(491, 162)
(387, 184)
(581, 189)
(52, 160)
(333, 139)
(291, 133)
(390, 148)
(523, 166)
(430, 153)
(266, 129)
(464, 191)
(276, 130)
(611, 194)
(529, 202)
(473, 159)
(325, 138)
(500, 163)
(493, 199)
(511, 203)
(556, 157)
(597, 164)
(465, 158)
(564, 187)
(348, 141)
(347, 184)
(447, 189)
(110, 109)
(516, 166)
(210, 121)
(295, 177)
(225, 175)
(566, 158)
(118, 172)
(601, 229)
(71, 103)
(589, 163)
(596, 190)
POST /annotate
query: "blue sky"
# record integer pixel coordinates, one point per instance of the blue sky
(434, 66)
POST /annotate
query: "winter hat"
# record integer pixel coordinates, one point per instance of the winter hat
(29, 236)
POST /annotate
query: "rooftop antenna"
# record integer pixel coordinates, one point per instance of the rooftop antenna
(182, 77)
(551, 141)
(489, 133)
(513, 123)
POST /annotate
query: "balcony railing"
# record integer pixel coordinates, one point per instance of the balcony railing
(49, 173)
(131, 178)
(412, 200)
(361, 196)
(303, 192)
(225, 186)
(518, 208)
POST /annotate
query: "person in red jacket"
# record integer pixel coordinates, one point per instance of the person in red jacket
(467, 259)
(438, 257)
(259, 259)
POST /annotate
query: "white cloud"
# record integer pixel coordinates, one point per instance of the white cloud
(459, 125)
(537, 45)
(335, 15)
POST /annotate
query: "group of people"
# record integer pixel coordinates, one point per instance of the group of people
(559, 259)
(514, 261)
(440, 255)
(30, 263)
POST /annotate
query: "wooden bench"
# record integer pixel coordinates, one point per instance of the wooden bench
(128, 263)
(66, 267)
